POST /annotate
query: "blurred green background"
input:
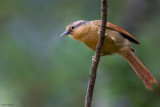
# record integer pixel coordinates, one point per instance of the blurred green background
(40, 69)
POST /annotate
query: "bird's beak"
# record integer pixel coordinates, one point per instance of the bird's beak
(65, 33)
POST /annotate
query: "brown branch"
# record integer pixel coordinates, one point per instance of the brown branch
(95, 61)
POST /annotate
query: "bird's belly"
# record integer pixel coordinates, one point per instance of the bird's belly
(109, 46)
(113, 42)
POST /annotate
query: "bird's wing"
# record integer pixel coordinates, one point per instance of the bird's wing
(116, 28)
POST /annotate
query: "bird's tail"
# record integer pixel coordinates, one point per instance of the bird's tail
(140, 69)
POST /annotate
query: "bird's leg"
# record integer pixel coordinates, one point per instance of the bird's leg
(93, 59)
(104, 54)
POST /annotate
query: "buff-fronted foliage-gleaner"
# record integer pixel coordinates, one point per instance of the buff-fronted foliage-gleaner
(116, 40)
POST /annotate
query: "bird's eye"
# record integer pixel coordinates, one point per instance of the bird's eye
(73, 27)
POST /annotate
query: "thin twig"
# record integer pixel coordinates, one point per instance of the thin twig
(95, 62)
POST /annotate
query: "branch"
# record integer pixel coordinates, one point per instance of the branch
(95, 62)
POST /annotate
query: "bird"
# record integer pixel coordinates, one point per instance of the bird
(116, 41)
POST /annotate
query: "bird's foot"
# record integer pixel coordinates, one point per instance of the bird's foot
(94, 59)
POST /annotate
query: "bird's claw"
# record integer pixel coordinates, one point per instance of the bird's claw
(94, 59)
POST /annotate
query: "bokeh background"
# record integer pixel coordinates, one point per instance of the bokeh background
(40, 69)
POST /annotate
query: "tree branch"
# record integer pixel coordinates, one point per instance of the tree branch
(95, 62)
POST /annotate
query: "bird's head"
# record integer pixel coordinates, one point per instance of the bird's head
(77, 30)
